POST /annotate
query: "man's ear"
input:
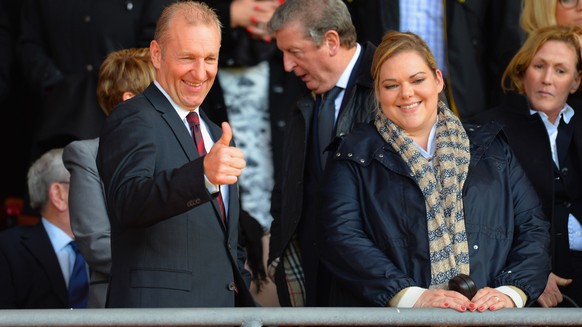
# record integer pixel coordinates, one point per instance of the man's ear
(332, 40)
(155, 54)
(59, 195)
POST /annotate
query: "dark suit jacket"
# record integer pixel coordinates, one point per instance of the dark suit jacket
(293, 203)
(169, 245)
(30, 275)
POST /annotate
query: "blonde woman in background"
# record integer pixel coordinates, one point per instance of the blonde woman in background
(542, 13)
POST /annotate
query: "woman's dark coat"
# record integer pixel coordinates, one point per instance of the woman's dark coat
(374, 230)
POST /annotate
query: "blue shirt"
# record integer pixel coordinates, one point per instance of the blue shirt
(60, 241)
(426, 19)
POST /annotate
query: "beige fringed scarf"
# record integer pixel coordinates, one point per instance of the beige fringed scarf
(442, 187)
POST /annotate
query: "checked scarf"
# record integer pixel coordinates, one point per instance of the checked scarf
(442, 185)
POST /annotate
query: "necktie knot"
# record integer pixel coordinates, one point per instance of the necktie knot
(193, 119)
(74, 246)
(332, 94)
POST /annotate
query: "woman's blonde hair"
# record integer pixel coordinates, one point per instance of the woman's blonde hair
(536, 14)
(127, 70)
(515, 71)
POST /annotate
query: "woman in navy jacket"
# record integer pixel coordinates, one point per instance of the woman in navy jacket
(543, 123)
(415, 198)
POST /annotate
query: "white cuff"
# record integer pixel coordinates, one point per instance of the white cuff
(212, 188)
(512, 294)
(410, 297)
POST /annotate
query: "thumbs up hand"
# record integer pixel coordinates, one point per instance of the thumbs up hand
(224, 163)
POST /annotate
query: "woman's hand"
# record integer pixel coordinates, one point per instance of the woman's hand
(444, 299)
(491, 299)
(253, 15)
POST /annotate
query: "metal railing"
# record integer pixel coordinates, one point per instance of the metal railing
(257, 317)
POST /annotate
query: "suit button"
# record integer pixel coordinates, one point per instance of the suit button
(567, 204)
(564, 171)
(231, 286)
(193, 203)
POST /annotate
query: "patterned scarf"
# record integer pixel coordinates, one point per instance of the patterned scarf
(442, 186)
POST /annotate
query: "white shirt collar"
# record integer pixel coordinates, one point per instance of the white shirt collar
(58, 237)
(567, 113)
(345, 76)
(181, 111)
(430, 146)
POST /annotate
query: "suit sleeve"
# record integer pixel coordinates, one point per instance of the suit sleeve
(88, 211)
(147, 178)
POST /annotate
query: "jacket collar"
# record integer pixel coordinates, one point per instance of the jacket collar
(365, 144)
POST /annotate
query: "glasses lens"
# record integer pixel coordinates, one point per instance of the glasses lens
(569, 3)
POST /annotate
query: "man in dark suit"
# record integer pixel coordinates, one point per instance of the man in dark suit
(318, 41)
(171, 244)
(36, 261)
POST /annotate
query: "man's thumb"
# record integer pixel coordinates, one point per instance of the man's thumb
(226, 134)
(563, 281)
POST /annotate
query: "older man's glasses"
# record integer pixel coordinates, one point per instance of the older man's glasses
(569, 4)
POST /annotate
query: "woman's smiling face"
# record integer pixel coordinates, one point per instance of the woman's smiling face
(408, 92)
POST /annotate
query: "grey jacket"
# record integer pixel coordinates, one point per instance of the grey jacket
(88, 214)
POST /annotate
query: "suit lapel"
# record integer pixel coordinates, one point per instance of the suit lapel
(161, 103)
(565, 132)
(37, 242)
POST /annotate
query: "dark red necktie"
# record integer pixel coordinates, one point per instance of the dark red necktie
(194, 122)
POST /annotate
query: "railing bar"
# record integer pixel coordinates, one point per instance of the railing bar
(258, 317)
